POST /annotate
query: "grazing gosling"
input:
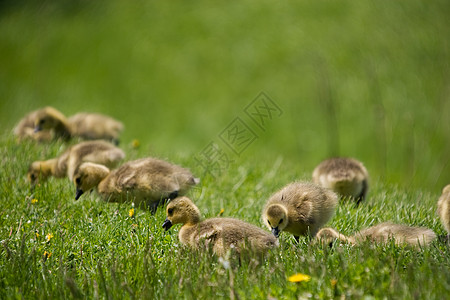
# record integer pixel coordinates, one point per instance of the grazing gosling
(382, 233)
(89, 126)
(100, 152)
(51, 119)
(300, 208)
(219, 234)
(25, 129)
(146, 180)
(444, 209)
(346, 176)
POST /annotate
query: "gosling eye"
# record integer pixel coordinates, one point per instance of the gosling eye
(170, 211)
(269, 222)
(78, 180)
(33, 177)
(42, 121)
(281, 221)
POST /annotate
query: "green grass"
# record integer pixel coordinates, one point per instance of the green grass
(97, 250)
(368, 79)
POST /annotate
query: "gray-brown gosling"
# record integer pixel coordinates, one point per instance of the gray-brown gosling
(25, 129)
(444, 209)
(346, 176)
(89, 126)
(51, 119)
(66, 164)
(300, 208)
(219, 234)
(146, 180)
(381, 233)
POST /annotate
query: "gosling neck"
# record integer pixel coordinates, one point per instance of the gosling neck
(62, 130)
(193, 216)
(49, 167)
(101, 183)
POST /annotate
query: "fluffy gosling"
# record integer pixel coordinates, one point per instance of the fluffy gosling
(25, 129)
(87, 126)
(346, 176)
(146, 180)
(444, 209)
(382, 233)
(300, 208)
(51, 119)
(219, 234)
(66, 164)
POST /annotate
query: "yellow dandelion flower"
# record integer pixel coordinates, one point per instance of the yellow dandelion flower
(333, 282)
(221, 212)
(136, 144)
(299, 278)
(131, 212)
(47, 254)
(37, 234)
(34, 201)
(48, 237)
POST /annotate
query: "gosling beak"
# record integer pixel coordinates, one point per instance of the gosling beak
(275, 232)
(78, 194)
(37, 128)
(167, 224)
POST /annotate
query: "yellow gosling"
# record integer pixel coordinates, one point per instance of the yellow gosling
(346, 176)
(382, 233)
(66, 164)
(88, 126)
(147, 180)
(300, 208)
(219, 234)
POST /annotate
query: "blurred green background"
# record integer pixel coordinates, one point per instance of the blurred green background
(368, 79)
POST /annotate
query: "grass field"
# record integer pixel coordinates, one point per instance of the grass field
(368, 79)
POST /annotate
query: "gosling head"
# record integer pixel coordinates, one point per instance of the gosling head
(37, 171)
(181, 210)
(88, 176)
(276, 218)
(47, 118)
(328, 236)
(446, 189)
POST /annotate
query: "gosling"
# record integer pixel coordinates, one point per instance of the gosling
(444, 209)
(67, 164)
(25, 129)
(346, 176)
(146, 181)
(219, 234)
(382, 233)
(299, 208)
(88, 126)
